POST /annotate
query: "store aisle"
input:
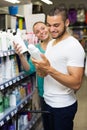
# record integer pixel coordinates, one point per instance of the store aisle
(80, 122)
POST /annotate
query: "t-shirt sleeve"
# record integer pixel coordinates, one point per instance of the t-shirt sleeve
(76, 56)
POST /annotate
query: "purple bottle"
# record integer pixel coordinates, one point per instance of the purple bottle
(11, 127)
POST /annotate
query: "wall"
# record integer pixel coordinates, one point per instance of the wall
(67, 3)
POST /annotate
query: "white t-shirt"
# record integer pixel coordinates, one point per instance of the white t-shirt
(68, 52)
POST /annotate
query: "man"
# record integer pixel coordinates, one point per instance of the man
(63, 66)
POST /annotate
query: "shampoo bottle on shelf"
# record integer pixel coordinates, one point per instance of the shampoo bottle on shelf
(13, 99)
(34, 52)
(6, 101)
(9, 39)
(1, 105)
(1, 78)
(4, 46)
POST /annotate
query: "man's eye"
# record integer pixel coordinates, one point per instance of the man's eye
(56, 25)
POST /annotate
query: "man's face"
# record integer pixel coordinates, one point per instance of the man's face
(56, 26)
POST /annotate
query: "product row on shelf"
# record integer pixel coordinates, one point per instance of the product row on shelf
(14, 98)
(12, 81)
(10, 67)
(16, 89)
(80, 32)
(17, 101)
(10, 36)
(6, 53)
(12, 21)
(22, 122)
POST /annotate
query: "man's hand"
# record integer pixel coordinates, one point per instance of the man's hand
(42, 66)
(41, 73)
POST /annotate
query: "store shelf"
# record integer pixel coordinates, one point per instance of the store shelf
(8, 83)
(10, 112)
(32, 122)
(6, 53)
(78, 27)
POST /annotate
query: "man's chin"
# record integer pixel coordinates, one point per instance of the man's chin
(54, 37)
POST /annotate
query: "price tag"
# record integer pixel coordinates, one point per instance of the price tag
(12, 114)
(7, 118)
(1, 123)
(8, 52)
(10, 83)
(12, 52)
(14, 81)
(21, 77)
(6, 85)
(26, 102)
(2, 87)
(21, 105)
(15, 111)
(18, 78)
(5, 53)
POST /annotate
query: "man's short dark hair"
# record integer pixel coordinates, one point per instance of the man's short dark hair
(59, 11)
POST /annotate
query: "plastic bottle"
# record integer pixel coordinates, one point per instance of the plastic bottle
(9, 39)
(1, 79)
(3, 68)
(34, 52)
(12, 127)
(18, 39)
(13, 99)
(1, 105)
(18, 97)
(8, 68)
(0, 41)
(6, 101)
(4, 41)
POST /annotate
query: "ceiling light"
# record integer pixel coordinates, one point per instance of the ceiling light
(13, 1)
(47, 2)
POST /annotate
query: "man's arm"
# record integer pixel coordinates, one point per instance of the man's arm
(72, 80)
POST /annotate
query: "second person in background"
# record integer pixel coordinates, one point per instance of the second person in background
(41, 31)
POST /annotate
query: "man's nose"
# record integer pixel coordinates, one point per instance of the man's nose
(51, 28)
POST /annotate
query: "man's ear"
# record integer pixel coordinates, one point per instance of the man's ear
(67, 22)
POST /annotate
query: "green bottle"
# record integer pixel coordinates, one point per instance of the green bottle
(1, 105)
(6, 101)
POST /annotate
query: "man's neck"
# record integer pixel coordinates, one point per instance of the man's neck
(63, 37)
